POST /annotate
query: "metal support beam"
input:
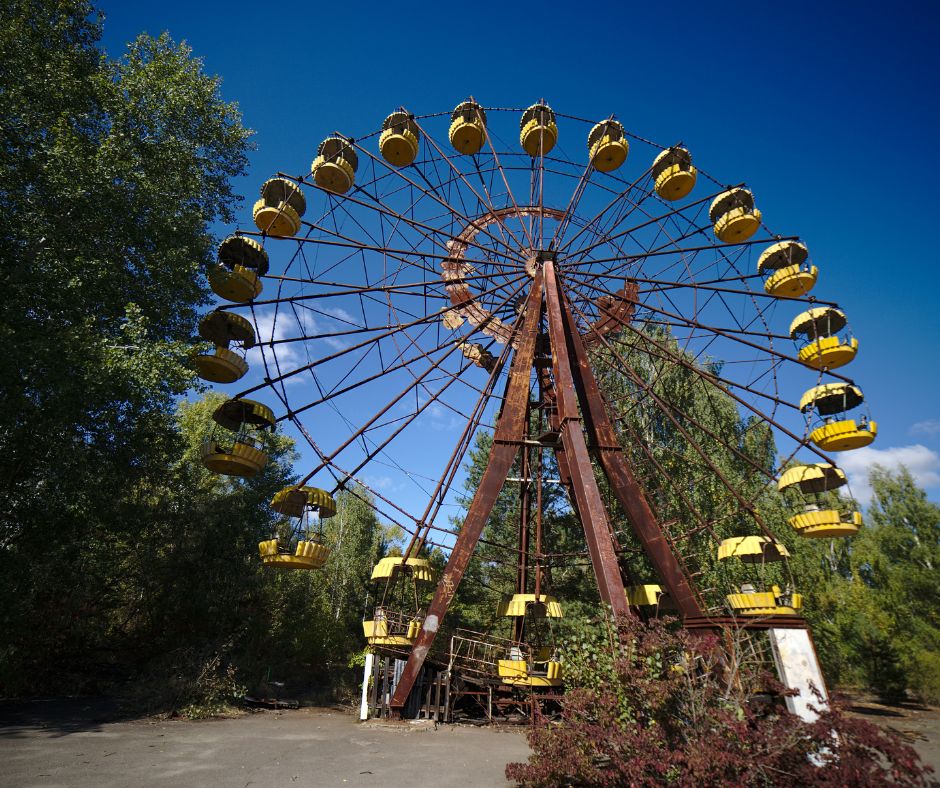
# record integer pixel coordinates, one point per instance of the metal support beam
(510, 430)
(622, 481)
(587, 495)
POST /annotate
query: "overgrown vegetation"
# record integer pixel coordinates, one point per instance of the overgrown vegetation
(647, 706)
(121, 558)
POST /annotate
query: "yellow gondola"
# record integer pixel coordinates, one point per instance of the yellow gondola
(237, 450)
(734, 215)
(236, 277)
(390, 626)
(334, 168)
(607, 146)
(468, 128)
(649, 595)
(537, 130)
(673, 174)
(812, 479)
(766, 603)
(828, 342)
(829, 401)
(749, 601)
(752, 549)
(816, 523)
(279, 210)
(309, 505)
(222, 329)
(544, 606)
(400, 138)
(530, 665)
(418, 568)
(790, 275)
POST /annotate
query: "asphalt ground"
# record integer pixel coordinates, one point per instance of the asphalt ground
(85, 743)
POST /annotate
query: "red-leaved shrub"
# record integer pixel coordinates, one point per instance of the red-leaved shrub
(660, 707)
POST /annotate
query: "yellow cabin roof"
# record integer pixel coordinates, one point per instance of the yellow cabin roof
(817, 478)
(542, 113)
(293, 500)
(220, 328)
(246, 252)
(821, 321)
(333, 148)
(468, 110)
(386, 567)
(782, 255)
(644, 595)
(669, 158)
(728, 201)
(519, 602)
(831, 398)
(752, 549)
(606, 128)
(278, 190)
(401, 120)
(235, 412)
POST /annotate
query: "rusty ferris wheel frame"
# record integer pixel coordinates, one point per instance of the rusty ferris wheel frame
(454, 248)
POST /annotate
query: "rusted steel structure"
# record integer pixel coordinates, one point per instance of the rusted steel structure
(614, 311)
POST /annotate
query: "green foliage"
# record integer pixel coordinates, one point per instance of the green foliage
(874, 601)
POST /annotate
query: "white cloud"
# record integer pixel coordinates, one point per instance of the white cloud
(267, 330)
(928, 428)
(340, 314)
(923, 463)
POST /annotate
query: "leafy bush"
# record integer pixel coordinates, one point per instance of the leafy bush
(214, 691)
(650, 706)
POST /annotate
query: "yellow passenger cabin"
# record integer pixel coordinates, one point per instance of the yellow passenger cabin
(468, 128)
(650, 595)
(830, 402)
(775, 602)
(752, 549)
(304, 548)
(823, 338)
(396, 620)
(788, 273)
(818, 523)
(278, 211)
(734, 216)
(334, 168)
(232, 335)
(673, 174)
(235, 446)
(607, 146)
(400, 138)
(749, 600)
(531, 663)
(816, 519)
(537, 130)
(812, 479)
(237, 275)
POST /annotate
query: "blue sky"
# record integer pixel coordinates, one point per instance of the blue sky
(828, 111)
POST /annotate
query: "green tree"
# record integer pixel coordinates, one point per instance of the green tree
(111, 174)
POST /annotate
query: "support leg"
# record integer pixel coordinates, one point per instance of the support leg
(506, 441)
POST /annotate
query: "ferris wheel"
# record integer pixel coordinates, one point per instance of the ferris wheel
(593, 299)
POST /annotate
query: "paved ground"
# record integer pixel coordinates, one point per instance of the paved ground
(86, 743)
(56, 743)
(918, 725)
